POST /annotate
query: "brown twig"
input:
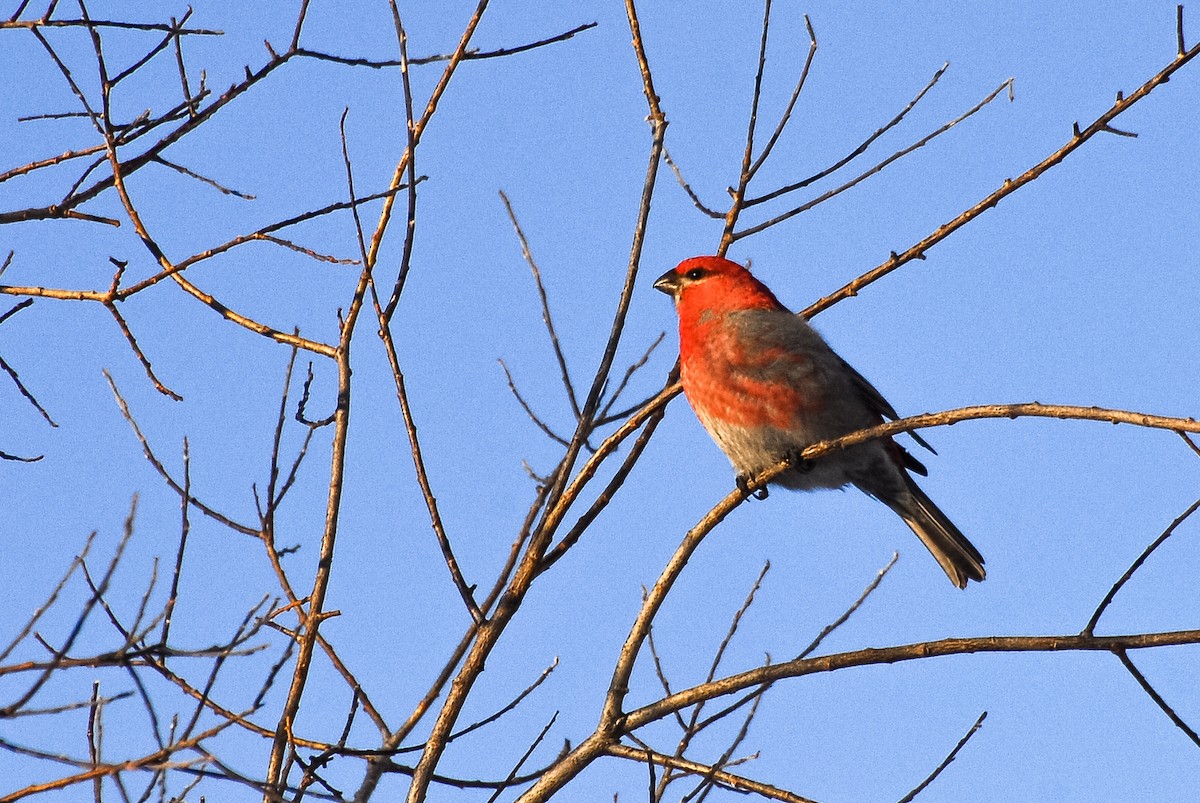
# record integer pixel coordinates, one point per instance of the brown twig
(510, 779)
(547, 319)
(604, 497)
(141, 355)
(712, 213)
(221, 188)
(59, 655)
(1153, 694)
(605, 415)
(85, 22)
(76, 563)
(1137, 564)
(24, 391)
(858, 150)
(727, 779)
(556, 504)
(469, 55)
(185, 527)
(1078, 138)
(410, 155)
(946, 761)
(878, 167)
(738, 194)
(845, 617)
(465, 591)
(534, 417)
(787, 112)
(877, 656)
(693, 726)
(1012, 411)
(162, 471)
(51, 161)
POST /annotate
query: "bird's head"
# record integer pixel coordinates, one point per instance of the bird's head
(714, 284)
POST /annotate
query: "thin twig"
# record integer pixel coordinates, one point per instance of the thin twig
(1009, 186)
(787, 112)
(184, 529)
(474, 726)
(946, 761)
(738, 194)
(841, 620)
(877, 168)
(712, 213)
(465, 591)
(547, 319)
(693, 726)
(524, 757)
(605, 417)
(542, 425)
(141, 355)
(410, 156)
(1137, 564)
(178, 168)
(162, 471)
(858, 150)
(1123, 655)
(727, 779)
(24, 391)
(470, 54)
(76, 563)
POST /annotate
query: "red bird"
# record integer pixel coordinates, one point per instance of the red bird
(765, 386)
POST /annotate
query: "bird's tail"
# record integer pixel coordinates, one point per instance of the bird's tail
(959, 559)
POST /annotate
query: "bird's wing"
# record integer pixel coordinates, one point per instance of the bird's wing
(881, 405)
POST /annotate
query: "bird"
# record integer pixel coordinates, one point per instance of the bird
(765, 386)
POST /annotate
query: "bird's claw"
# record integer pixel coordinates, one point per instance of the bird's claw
(743, 484)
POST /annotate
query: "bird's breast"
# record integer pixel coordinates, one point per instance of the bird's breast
(750, 387)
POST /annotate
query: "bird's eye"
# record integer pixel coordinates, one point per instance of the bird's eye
(696, 273)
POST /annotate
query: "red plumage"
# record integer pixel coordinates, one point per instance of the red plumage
(765, 386)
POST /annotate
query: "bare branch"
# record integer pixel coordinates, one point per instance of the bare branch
(688, 187)
(859, 150)
(744, 175)
(946, 761)
(162, 471)
(410, 156)
(1009, 186)
(547, 320)
(605, 417)
(76, 563)
(1137, 564)
(922, 142)
(178, 168)
(1123, 655)
(727, 779)
(137, 351)
(841, 620)
(906, 652)
(524, 757)
(24, 391)
(787, 112)
(542, 425)
(471, 54)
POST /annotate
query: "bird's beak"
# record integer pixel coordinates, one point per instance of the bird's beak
(668, 283)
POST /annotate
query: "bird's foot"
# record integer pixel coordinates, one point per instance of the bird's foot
(798, 462)
(743, 484)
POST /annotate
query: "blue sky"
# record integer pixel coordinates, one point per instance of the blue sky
(1078, 289)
